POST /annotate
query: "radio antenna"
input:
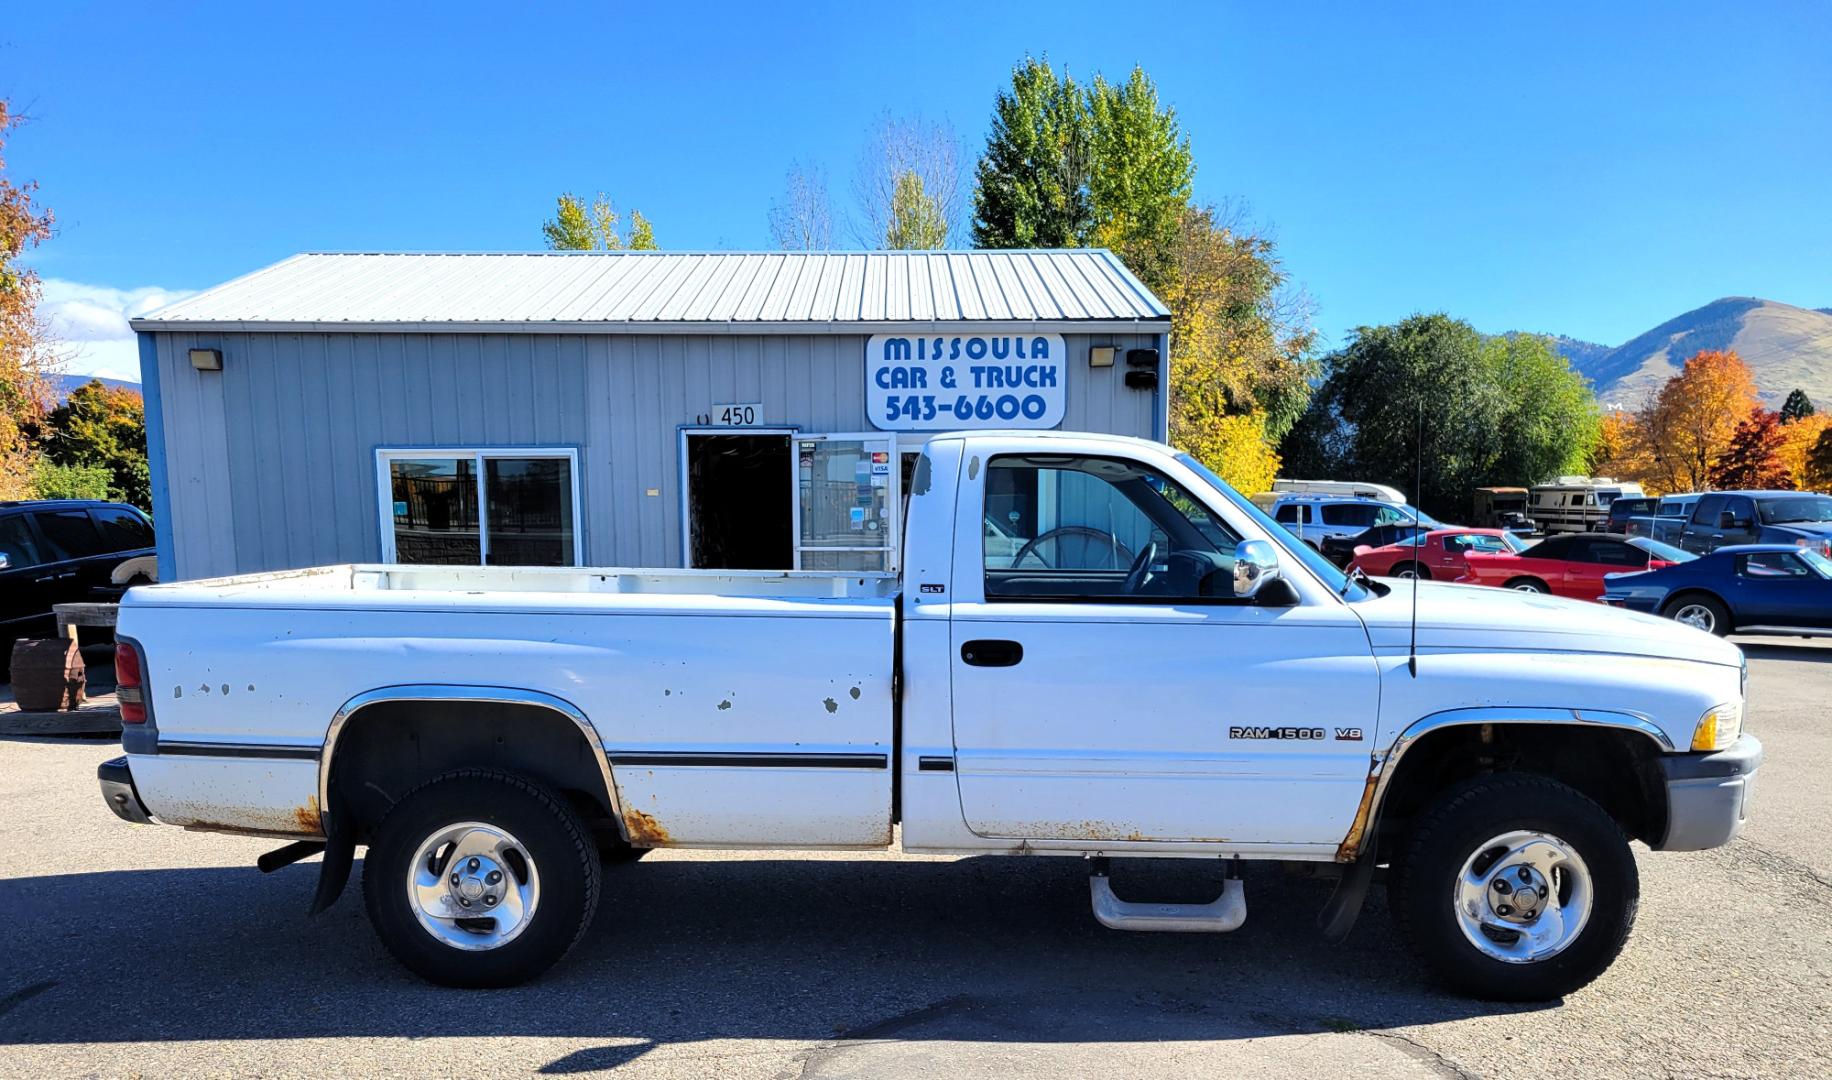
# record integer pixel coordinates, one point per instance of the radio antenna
(1418, 526)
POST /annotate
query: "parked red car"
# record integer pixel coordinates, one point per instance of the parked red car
(1572, 564)
(1440, 553)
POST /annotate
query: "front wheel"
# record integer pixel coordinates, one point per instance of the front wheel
(480, 878)
(1515, 887)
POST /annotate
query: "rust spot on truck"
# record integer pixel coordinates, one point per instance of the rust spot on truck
(1350, 848)
(308, 817)
(643, 829)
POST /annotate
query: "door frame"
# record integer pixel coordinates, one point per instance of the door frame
(686, 467)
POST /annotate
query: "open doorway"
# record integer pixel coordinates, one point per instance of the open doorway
(740, 502)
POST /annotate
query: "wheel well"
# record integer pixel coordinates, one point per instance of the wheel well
(1682, 594)
(1515, 581)
(386, 749)
(1615, 768)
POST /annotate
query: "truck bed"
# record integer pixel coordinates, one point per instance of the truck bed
(722, 699)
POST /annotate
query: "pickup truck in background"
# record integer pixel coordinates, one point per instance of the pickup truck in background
(496, 737)
(1728, 518)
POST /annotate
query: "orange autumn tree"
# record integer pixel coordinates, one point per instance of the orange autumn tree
(1622, 451)
(25, 356)
(1799, 437)
(1690, 423)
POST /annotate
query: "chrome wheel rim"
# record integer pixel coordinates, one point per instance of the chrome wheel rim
(1528, 588)
(1405, 572)
(473, 886)
(1523, 897)
(1697, 616)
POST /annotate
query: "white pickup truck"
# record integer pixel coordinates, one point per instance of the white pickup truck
(1161, 672)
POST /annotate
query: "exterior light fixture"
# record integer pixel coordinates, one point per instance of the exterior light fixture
(207, 359)
(1101, 356)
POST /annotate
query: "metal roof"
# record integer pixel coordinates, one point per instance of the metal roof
(652, 291)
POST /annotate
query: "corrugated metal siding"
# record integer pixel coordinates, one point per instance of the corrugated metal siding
(272, 460)
(639, 290)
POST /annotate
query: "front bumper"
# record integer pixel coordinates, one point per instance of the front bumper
(119, 793)
(1708, 795)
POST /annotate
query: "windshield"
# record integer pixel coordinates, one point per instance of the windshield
(1661, 551)
(1798, 508)
(1324, 569)
(1816, 561)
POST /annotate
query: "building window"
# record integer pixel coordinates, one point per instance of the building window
(480, 507)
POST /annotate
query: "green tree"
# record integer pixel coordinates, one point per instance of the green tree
(1431, 394)
(53, 481)
(1140, 174)
(102, 427)
(1031, 185)
(1797, 406)
(576, 226)
(917, 222)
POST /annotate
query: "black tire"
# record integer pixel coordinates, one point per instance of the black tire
(1720, 615)
(554, 840)
(1529, 584)
(1419, 571)
(1421, 885)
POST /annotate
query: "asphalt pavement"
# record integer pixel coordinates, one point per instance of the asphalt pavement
(131, 951)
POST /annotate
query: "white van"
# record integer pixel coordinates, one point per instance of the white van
(1348, 488)
(1576, 503)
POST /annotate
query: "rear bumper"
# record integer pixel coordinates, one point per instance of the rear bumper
(1708, 795)
(119, 793)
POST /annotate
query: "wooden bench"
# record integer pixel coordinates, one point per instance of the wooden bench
(71, 616)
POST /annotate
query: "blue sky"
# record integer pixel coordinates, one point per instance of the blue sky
(1580, 169)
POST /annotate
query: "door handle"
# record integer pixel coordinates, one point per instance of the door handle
(992, 653)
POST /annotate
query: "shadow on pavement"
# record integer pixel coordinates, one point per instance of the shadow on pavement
(1814, 649)
(991, 949)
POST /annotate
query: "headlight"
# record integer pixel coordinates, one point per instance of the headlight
(1719, 727)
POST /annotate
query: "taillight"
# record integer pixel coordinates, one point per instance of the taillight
(130, 690)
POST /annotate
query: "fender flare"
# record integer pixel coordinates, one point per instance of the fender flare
(459, 693)
(1384, 763)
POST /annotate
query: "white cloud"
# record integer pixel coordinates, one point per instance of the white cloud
(90, 324)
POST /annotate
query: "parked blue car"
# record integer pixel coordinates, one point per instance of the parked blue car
(1759, 588)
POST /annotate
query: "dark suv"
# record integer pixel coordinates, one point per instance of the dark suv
(62, 551)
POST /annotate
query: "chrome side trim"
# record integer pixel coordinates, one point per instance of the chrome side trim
(498, 695)
(1381, 770)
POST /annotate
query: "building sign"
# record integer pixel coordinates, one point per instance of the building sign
(938, 383)
(738, 414)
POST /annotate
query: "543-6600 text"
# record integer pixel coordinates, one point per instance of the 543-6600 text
(964, 407)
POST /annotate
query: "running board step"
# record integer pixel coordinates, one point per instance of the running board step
(1226, 912)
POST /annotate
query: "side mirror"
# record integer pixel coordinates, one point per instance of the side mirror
(1256, 565)
(1727, 520)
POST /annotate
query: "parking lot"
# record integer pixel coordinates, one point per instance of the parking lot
(131, 951)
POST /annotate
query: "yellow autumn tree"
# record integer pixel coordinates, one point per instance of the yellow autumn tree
(1239, 366)
(1624, 452)
(25, 356)
(1798, 438)
(1689, 424)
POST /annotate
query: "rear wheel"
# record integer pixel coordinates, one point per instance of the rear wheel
(1410, 570)
(1700, 612)
(480, 878)
(1515, 887)
(1527, 584)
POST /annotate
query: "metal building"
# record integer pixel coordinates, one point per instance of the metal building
(735, 410)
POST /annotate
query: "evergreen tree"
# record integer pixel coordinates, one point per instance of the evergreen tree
(1797, 406)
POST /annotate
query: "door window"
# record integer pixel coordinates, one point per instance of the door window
(122, 529)
(508, 508)
(1289, 514)
(1772, 565)
(1742, 509)
(1353, 515)
(1096, 528)
(16, 542)
(1706, 512)
(68, 533)
(1610, 553)
(846, 503)
(1556, 547)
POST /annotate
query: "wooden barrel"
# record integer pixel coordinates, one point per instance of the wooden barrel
(48, 675)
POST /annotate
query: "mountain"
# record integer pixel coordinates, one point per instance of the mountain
(63, 384)
(1785, 346)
